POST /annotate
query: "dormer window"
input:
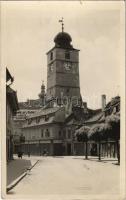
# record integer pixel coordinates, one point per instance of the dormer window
(29, 121)
(67, 55)
(46, 117)
(37, 120)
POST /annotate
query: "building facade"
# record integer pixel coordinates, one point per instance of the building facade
(46, 127)
(59, 111)
(44, 130)
(11, 108)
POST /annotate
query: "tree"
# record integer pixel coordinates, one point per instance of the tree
(82, 136)
(99, 133)
(114, 121)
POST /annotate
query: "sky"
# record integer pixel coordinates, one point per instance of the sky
(28, 31)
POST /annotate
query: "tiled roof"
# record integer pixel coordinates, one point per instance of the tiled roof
(9, 76)
(113, 102)
(42, 122)
(30, 104)
(95, 118)
(44, 111)
(12, 98)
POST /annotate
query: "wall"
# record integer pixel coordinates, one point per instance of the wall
(39, 132)
(9, 131)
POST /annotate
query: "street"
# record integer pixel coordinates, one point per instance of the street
(70, 176)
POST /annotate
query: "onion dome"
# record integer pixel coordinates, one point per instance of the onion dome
(63, 40)
(42, 94)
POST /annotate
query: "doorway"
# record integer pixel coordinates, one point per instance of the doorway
(68, 149)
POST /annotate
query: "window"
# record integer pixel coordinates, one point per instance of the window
(64, 133)
(69, 133)
(67, 90)
(47, 134)
(59, 133)
(51, 56)
(67, 55)
(118, 108)
(37, 120)
(33, 137)
(42, 133)
(51, 67)
(29, 121)
(46, 117)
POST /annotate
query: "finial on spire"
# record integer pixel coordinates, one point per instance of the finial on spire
(61, 21)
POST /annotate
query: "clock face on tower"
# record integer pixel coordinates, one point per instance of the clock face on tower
(67, 66)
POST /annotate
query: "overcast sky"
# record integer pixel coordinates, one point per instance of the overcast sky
(28, 30)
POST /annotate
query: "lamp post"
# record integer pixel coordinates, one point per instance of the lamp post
(39, 148)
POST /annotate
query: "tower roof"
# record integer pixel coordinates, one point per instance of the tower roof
(63, 40)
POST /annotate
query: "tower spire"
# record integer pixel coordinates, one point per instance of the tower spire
(61, 21)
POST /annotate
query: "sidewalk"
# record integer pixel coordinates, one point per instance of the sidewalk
(17, 167)
(104, 159)
(109, 160)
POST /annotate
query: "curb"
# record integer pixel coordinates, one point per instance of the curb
(15, 182)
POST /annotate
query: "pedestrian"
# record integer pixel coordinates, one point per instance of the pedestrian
(21, 154)
(28, 154)
(44, 152)
(18, 154)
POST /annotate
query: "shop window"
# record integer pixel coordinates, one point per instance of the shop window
(68, 90)
(67, 55)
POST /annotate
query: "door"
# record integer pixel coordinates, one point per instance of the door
(68, 149)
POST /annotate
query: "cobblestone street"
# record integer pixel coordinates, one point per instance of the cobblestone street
(70, 176)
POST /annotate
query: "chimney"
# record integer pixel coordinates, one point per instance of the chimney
(103, 101)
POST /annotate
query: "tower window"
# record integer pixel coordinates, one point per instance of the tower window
(67, 55)
(51, 56)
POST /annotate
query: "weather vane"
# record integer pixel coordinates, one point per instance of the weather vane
(61, 21)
